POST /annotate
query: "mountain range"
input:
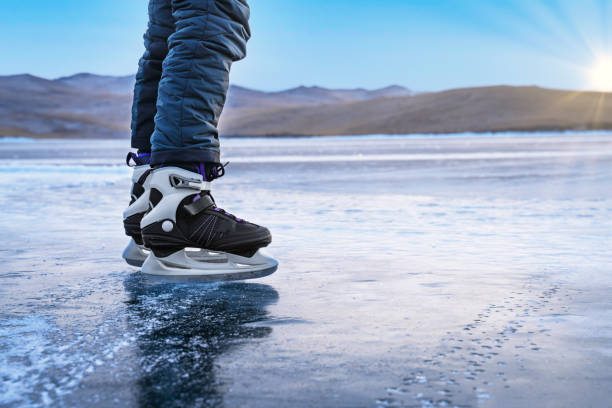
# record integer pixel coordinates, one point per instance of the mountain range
(95, 106)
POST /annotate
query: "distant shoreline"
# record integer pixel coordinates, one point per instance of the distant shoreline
(501, 134)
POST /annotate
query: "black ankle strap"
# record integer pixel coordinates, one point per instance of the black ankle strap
(203, 203)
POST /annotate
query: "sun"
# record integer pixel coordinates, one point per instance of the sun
(600, 74)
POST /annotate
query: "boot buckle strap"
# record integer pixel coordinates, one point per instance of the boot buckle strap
(199, 205)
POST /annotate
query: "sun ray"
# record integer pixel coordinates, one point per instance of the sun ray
(568, 98)
(598, 110)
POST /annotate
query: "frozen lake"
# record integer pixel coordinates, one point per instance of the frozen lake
(414, 271)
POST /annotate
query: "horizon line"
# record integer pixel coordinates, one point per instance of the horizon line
(322, 87)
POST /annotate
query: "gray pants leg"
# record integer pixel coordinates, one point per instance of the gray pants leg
(209, 35)
(161, 25)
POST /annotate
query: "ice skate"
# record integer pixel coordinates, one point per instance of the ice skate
(184, 216)
(135, 252)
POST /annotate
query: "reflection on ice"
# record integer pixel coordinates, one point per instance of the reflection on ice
(163, 347)
(182, 329)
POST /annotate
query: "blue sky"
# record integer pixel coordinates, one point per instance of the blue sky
(423, 45)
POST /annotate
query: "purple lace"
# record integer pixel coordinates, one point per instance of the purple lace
(138, 159)
(210, 170)
(200, 168)
(228, 214)
(197, 197)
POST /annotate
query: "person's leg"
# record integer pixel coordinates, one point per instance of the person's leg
(209, 35)
(161, 25)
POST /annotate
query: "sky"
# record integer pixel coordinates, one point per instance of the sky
(424, 45)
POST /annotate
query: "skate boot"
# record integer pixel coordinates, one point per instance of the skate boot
(184, 215)
(135, 253)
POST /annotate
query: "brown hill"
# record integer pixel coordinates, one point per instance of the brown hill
(37, 107)
(487, 109)
(86, 105)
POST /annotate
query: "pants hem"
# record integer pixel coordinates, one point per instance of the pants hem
(188, 155)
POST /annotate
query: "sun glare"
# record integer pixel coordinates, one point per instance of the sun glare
(601, 74)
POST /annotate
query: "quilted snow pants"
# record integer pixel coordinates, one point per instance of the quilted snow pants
(183, 77)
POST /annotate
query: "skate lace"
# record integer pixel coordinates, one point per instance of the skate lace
(134, 159)
(220, 210)
(211, 171)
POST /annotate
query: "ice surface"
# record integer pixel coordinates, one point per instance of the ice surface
(414, 271)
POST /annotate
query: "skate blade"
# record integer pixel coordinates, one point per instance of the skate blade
(135, 254)
(181, 267)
